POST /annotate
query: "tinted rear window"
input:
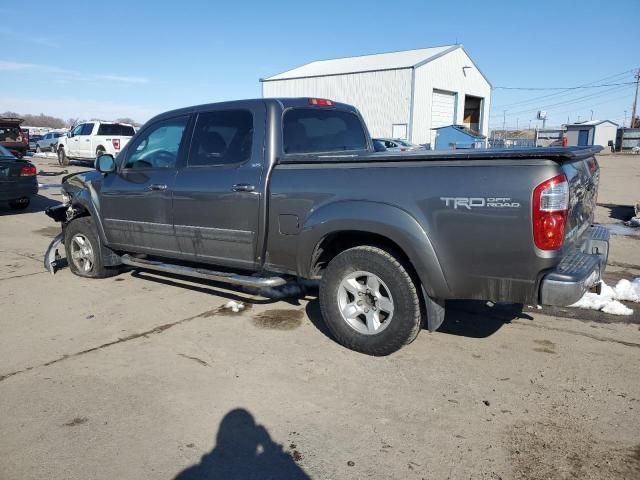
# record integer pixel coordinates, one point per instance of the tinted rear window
(315, 130)
(116, 130)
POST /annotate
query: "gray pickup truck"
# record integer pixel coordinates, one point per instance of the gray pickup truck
(259, 192)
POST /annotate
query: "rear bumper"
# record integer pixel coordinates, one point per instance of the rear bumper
(578, 272)
(17, 190)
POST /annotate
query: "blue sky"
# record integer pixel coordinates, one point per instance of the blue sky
(137, 58)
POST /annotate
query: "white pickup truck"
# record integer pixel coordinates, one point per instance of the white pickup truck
(89, 140)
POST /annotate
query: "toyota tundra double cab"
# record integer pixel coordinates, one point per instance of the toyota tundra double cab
(89, 140)
(259, 192)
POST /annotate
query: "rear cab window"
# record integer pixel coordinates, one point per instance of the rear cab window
(319, 130)
(116, 130)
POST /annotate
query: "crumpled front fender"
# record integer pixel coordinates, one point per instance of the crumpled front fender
(58, 213)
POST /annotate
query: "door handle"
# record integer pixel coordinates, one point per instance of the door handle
(243, 187)
(87, 139)
(157, 187)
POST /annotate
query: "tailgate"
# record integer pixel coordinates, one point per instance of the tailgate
(583, 176)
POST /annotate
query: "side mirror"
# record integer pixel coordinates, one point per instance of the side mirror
(105, 163)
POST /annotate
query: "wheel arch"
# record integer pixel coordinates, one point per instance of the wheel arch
(86, 207)
(341, 225)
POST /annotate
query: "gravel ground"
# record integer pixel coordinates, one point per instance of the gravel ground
(147, 376)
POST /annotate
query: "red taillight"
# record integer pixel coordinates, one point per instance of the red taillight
(28, 171)
(116, 143)
(550, 207)
(320, 102)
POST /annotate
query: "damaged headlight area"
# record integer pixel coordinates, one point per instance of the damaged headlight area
(66, 197)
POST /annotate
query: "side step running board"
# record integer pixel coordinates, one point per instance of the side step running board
(232, 278)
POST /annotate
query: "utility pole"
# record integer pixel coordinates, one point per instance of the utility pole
(504, 124)
(635, 100)
(591, 114)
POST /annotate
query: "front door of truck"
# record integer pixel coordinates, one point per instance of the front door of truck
(217, 194)
(136, 200)
(84, 141)
(73, 142)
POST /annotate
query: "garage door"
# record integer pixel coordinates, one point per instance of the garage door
(443, 107)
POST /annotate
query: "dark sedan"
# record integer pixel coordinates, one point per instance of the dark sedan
(18, 182)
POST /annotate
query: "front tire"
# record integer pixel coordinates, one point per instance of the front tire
(63, 160)
(369, 301)
(83, 250)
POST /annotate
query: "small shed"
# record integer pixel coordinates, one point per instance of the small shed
(627, 139)
(453, 137)
(593, 132)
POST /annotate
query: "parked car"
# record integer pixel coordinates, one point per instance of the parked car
(33, 139)
(89, 140)
(398, 145)
(378, 146)
(48, 142)
(257, 192)
(12, 137)
(18, 181)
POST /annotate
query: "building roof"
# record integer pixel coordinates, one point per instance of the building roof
(463, 129)
(366, 63)
(590, 123)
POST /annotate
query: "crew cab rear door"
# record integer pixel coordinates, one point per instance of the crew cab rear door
(136, 200)
(217, 194)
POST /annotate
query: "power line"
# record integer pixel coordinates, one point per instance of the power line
(569, 101)
(564, 88)
(535, 99)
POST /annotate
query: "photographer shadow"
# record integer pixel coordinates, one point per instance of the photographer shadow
(244, 450)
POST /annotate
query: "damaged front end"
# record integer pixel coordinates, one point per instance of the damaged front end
(64, 213)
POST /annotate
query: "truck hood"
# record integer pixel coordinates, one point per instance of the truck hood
(90, 179)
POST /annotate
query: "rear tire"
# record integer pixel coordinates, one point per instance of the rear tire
(19, 203)
(383, 285)
(63, 160)
(83, 251)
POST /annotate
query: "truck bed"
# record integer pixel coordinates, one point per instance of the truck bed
(556, 154)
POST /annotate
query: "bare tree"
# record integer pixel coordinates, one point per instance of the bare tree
(128, 120)
(41, 120)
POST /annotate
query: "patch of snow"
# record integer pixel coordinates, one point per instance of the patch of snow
(614, 307)
(45, 155)
(628, 290)
(634, 222)
(234, 306)
(608, 301)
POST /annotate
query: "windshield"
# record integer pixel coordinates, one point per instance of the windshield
(4, 153)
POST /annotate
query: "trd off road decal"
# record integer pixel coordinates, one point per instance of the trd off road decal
(479, 202)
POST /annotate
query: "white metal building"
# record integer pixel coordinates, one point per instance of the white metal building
(593, 132)
(400, 94)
